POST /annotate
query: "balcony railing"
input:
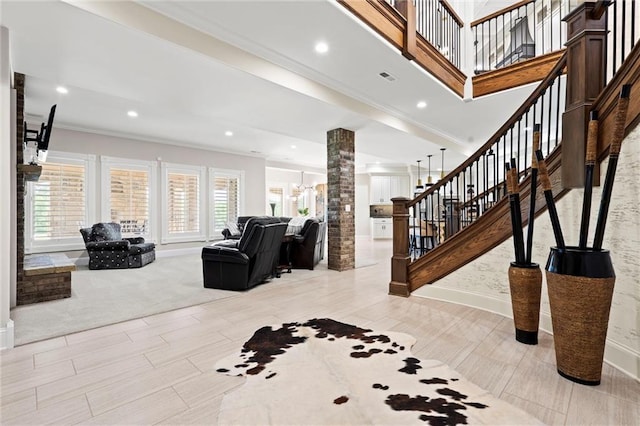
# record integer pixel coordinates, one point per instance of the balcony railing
(438, 23)
(524, 30)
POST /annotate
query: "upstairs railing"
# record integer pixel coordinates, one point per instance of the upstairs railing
(522, 31)
(440, 25)
(460, 198)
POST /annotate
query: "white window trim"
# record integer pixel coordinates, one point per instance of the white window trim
(65, 243)
(106, 163)
(200, 171)
(213, 172)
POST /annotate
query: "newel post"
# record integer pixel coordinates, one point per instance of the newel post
(586, 72)
(399, 285)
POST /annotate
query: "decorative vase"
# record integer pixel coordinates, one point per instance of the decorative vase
(525, 283)
(580, 285)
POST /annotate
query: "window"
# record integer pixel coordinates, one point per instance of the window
(225, 198)
(183, 206)
(127, 188)
(59, 203)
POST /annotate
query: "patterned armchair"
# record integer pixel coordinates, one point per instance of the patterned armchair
(108, 250)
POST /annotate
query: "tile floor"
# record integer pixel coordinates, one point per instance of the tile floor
(159, 369)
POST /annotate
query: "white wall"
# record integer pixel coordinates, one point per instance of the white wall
(6, 170)
(363, 222)
(483, 283)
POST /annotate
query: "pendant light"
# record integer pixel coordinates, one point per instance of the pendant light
(419, 186)
(429, 182)
(442, 169)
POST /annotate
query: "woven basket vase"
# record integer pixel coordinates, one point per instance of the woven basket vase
(525, 284)
(580, 285)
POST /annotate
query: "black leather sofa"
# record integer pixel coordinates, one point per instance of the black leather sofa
(108, 250)
(244, 263)
(242, 221)
(307, 247)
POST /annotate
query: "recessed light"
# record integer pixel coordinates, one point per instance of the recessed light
(322, 47)
(228, 133)
(293, 146)
(377, 162)
(61, 89)
(421, 104)
(132, 114)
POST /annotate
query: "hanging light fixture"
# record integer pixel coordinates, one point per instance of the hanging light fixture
(429, 182)
(302, 187)
(419, 186)
(442, 169)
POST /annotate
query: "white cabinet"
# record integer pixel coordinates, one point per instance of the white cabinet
(382, 228)
(384, 188)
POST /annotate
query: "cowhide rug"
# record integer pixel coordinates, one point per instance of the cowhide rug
(326, 372)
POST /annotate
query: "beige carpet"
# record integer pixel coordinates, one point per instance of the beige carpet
(324, 372)
(109, 296)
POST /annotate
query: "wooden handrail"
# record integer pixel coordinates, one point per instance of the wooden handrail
(501, 12)
(452, 12)
(600, 8)
(526, 105)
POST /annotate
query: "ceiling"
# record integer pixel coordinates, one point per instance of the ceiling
(195, 70)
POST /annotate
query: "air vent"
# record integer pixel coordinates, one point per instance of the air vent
(387, 76)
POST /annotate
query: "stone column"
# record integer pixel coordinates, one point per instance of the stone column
(341, 199)
(18, 84)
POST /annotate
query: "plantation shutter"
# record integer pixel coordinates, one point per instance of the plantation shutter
(183, 203)
(226, 200)
(129, 199)
(59, 201)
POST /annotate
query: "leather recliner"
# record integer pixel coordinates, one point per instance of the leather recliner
(244, 263)
(307, 248)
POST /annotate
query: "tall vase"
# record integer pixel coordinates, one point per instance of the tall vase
(525, 284)
(580, 285)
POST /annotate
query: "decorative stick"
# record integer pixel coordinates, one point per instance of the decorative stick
(514, 206)
(534, 184)
(614, 153)
(590, 161)
(548, 195)
(520, 257)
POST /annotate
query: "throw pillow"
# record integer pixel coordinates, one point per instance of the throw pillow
(233, 229)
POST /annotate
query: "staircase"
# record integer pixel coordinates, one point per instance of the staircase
(483, 220)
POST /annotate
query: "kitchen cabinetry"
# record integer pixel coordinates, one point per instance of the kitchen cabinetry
(382, 228)
(384, 188)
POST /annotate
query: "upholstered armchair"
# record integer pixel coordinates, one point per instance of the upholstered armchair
(307, 247)
(244, 263)
(108, 250)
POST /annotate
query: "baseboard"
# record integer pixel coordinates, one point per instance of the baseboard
(615, 354)
(84, 261)
(6, 336)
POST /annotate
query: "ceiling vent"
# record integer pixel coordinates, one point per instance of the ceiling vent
(387, 76)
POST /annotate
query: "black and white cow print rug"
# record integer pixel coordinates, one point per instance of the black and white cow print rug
(326, 372)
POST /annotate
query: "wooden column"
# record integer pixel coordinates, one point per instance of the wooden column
(586, 71)
(399, 285)
(409, 44)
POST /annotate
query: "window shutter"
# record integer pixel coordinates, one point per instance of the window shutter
(183, 202)
(129, 199)
(226, 200)
(59, 201)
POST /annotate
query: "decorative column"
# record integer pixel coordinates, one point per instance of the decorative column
(586, 71)
(341, 199)
(18, 84)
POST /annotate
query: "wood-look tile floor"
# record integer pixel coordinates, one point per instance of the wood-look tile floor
(159, 369)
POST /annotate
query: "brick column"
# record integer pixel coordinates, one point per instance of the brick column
(20, 187)
(341, 198)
